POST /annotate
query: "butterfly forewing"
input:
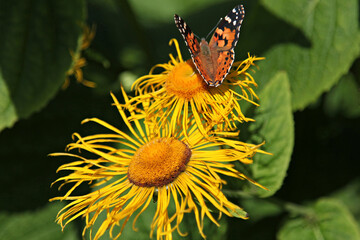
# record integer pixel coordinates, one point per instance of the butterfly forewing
(191, 42)
(227, 33)
(225, 39)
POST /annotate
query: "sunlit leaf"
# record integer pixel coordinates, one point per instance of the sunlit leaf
(274, 125)
(331, 220)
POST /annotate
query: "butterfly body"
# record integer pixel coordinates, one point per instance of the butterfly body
(213, 60)
(208, 57)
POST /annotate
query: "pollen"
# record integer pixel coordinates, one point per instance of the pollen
(184, 81)
(158, 162)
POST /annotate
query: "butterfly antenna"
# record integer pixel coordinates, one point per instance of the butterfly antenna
(212, 30)
(196, 36)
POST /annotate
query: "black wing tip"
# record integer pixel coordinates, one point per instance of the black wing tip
(234, 18)
(178, 20)
(239, 8)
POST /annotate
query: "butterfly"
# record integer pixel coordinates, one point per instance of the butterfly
(213, 60)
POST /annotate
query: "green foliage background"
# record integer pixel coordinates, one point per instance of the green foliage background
(309, 114)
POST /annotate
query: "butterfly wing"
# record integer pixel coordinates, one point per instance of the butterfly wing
(191, 42)
(193, 45)
(224, 41)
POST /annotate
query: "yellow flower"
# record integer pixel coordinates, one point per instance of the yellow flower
(181, 172)
(178, 94)
(78, 62)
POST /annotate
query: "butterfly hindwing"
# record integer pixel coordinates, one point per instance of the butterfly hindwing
(199, 66)
(225, 61)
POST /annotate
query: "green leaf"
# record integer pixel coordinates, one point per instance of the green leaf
(7, 109)
(37, 225)
(350, 195)
(37, 37)
(344, 98)
(331, 26)
(259, 208)
(274, 125)
(330, 220)
(256, 208)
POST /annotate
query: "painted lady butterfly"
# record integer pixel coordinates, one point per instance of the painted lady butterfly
(213, 60)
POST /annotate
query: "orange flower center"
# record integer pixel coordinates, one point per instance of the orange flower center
(158, 162)
(185, 81)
